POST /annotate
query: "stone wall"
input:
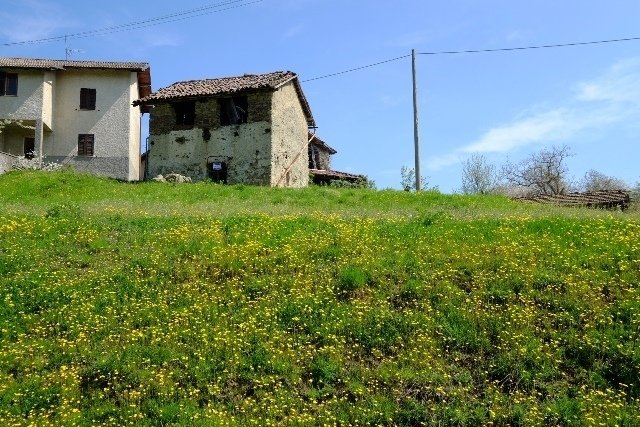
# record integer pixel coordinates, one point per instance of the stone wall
(6, 162)
(111, 167)
(188, 150)
(289, 158)
(270, 149)
(321, 157)
(324, 160)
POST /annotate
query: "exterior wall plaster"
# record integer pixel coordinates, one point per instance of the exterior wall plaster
(54, 98)
(289, 157)
(28, 104)
(110, 122)
(270, 149)
(187, 150)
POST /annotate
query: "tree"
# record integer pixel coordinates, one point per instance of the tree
(635, 192)
(14, 122)
(408, 179)
(478, 176)
(544, 172)
(596, 181)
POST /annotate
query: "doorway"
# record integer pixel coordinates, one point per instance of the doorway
(29, 147)
(218, 172)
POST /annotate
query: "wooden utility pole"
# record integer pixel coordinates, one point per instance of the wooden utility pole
(416, 135)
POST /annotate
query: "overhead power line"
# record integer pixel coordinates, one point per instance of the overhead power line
(357, 69)
(458, 52)
(165, 19)
(548, 46)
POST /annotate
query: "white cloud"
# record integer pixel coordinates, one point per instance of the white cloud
(545, 126)
(620, 84)
(606, 100)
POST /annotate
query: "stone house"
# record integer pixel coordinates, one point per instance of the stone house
(249, 129)
(320, 171)
(77, 113)
(319, 153)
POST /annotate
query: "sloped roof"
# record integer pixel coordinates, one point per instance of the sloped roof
(331, 174)
(315, 140)
(228, 86)
(596, 199)
(61, 64)
(143, 69)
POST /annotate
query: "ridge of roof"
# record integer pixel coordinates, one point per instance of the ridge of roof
(220, 86)
(61, 64)
(227, 86)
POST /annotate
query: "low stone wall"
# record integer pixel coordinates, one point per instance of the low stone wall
(113, 167)
(6, 162)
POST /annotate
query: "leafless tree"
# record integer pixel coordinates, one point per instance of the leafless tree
(635, 192)
(595, 181)
(408, 179)
(478, 175)
(543, 172)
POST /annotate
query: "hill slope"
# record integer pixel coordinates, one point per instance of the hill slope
(156, 304)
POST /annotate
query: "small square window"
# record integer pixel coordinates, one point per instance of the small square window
(185, 113)
(85, 144)
(8, 84)
(233, 111)
(87, 99)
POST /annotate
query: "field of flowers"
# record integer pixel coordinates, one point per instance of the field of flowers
(462, 314)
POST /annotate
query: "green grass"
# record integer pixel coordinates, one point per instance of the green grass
(159, 304)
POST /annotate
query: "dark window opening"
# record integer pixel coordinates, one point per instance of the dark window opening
(313, 157)
(185, 113)
(218, 172)
(8, 84)
(85, 144)
(233, 111)
(29, 148)
(87, 99)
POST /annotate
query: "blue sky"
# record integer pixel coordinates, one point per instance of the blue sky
(504, 105)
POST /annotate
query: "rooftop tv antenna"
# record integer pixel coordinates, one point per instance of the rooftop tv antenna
(68, 51)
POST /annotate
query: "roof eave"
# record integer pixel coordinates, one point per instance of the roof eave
(303, 101)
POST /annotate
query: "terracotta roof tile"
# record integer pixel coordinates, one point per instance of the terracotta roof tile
(62, 64)
(220, 86)
(331, 174)
(599, 199)
(315, 140)
(228, 86)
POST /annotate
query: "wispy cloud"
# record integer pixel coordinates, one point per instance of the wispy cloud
(606, 100)
(293, 31)
(621, 84)
(32, 20)
(155, 40)
(516, 36)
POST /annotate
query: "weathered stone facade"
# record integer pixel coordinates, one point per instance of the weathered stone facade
(6, 162)
(269, 149)
(319, 157)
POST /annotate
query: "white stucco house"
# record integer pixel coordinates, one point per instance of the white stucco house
(77, 113)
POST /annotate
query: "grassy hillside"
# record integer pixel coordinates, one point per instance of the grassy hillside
(156, 304)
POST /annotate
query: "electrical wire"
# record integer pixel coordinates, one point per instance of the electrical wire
(173, 17)
(356, 69)
(548, 46)
(457, 52)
